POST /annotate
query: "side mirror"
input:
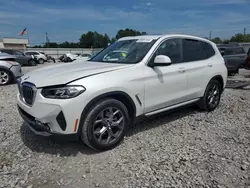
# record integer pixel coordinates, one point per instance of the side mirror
(162, 60)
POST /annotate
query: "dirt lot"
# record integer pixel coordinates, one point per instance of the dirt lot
(188, 148)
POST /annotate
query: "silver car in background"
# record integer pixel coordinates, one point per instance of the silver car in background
(10, 70)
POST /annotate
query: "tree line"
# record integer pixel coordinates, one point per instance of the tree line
(93, 39)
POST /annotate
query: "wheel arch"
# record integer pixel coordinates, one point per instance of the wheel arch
(118, 95)
(220, 79)
(9, 71)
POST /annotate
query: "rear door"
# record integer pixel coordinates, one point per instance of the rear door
(241, 56)
(231, 59)
(197, 61)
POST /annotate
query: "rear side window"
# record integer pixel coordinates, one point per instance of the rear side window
(239, 51)
(208, 49)
(193, 50)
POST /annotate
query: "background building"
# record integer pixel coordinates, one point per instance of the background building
(14, 43)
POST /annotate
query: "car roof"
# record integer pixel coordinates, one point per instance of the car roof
(155, 37)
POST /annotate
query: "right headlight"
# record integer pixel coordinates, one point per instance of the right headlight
(66, 92)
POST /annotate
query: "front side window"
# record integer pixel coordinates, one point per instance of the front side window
(170, 48)
(125, 51)
(193, 50)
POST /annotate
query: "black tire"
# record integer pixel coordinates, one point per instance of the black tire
(232, 73)
(32, 62)
(204, 103)
(5, 77)
(89, 123)
(41, 61)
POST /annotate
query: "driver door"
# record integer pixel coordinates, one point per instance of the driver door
(21, 58)
(166, 85)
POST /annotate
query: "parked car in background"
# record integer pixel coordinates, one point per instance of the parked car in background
(69, 57)
(49, 57)
(21, 58)
(39, 56)
(99, 100)
(235, 58)
(247, 62)
(10, 70)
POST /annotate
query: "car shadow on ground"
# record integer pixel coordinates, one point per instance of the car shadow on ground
(161, 119)
(67, 147)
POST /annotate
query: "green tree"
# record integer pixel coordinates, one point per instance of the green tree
(217, 40)
(113, 40)
(51, 45)
(106, 40)
(94, 40)
(128, 32)
(226, 41)
(239, 37)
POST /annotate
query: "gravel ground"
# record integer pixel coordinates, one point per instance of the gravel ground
(188, 148)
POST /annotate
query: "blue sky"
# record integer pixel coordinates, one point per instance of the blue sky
(68, 19)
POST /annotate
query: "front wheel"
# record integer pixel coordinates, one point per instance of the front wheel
(211, 98)
(5, 77)
(41, 61)
(105, 124)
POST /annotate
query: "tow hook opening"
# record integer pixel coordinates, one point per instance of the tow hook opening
(44, 125)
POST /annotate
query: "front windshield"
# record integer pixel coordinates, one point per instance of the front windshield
(125, 51)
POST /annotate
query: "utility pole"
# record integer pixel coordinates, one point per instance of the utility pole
(47, 40)
(210, 35)
(244, 31)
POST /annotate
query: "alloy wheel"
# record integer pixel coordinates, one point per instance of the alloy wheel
(4, 78)
(213, 97)
(108, 125)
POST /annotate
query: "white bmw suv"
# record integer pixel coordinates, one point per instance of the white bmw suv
(98, 100)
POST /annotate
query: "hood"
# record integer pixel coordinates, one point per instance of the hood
(64, 73)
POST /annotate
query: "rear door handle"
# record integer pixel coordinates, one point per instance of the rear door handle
(182, 70)
(209, 65)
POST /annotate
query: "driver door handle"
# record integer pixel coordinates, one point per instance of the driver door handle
(182, 70)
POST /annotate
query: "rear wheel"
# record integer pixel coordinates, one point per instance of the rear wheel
(32, 62)
(5, 77)
(211, 98)
(105, 124)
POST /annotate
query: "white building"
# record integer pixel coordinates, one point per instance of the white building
(14, 43)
